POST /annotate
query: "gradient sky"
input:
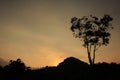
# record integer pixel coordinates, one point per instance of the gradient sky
(38, 31)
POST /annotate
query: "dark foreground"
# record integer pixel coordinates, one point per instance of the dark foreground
(70, 69)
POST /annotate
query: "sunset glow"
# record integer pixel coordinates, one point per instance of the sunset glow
(38, 31)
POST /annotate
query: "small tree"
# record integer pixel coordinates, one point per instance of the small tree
(93, 31)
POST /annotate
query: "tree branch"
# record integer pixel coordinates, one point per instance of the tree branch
(98, 47)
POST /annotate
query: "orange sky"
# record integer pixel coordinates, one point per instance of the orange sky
(38, 31)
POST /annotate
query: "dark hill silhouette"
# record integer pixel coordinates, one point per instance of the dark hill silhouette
(72, 62)
(72, 65)
(70, 69)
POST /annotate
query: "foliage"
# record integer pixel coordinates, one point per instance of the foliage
(15, 70)
(94, 32)
(16, 65)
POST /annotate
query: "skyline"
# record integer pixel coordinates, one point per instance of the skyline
(39, 33)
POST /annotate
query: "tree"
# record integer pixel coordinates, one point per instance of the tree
(16, 66)
(15, 70)
(93, 31)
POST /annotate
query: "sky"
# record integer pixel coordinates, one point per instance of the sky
(38, 31)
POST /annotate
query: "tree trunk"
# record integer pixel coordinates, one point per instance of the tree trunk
(89, 56)
(90, 60)
(94, 54)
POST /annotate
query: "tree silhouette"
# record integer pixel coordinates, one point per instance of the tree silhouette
(15, 70)
(17, 64)
(93, 31)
